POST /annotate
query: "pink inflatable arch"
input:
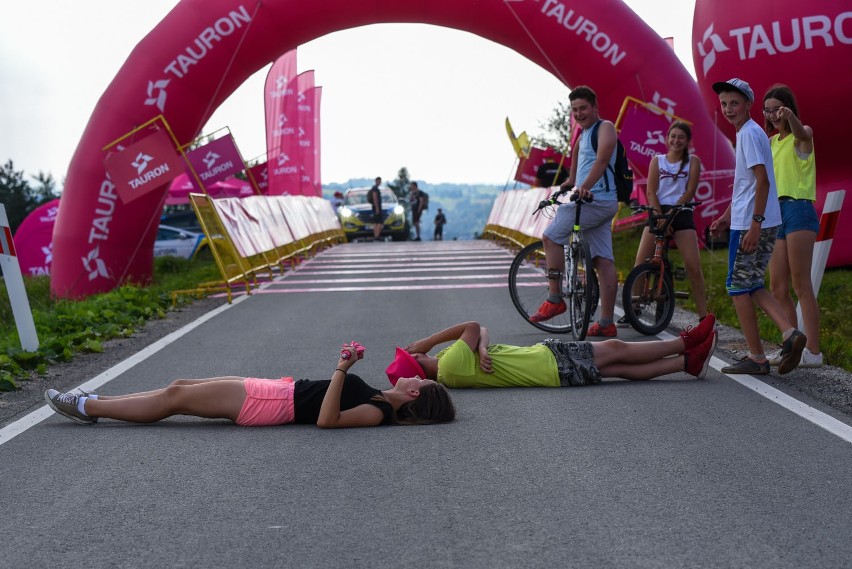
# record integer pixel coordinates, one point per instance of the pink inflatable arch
(204, 49)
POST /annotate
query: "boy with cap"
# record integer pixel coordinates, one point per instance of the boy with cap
(472, 361)
(753, 217)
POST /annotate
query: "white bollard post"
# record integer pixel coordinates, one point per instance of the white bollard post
(827, 225)
(15, 286)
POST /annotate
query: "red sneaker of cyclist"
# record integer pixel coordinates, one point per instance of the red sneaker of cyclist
(596, 329)
(697, 359)
(694, 336)
(548, 310)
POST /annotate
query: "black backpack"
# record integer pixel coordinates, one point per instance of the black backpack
(622, 173)
(424, 198)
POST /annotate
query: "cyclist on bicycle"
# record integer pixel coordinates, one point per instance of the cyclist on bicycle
(672, 180)
(586, 177)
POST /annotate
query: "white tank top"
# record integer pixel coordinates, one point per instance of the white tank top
(672, 180)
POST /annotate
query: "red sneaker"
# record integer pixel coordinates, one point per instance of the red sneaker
(596, 329)
(548, 310)
(695, 336)
(697, 359)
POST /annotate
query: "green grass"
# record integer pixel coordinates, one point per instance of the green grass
(835, 326)
(66, 328)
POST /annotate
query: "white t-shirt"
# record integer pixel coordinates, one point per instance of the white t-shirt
(673, 179)
(753, 149)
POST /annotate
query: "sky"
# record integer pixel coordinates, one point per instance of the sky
(58, 57)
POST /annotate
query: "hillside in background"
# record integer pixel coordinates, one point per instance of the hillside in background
(466, 206)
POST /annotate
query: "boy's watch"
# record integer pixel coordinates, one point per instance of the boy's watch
(758, 218)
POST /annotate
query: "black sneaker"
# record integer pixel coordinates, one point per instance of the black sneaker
(747, 366)
(66, 405)
(791, 352)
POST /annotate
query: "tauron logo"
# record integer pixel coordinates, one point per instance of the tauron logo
(665, 105)
(709, 55)
(655, 137)
(141, 162)
(210, 159)
(282, 119)
(283, 159)
(157, 94)
(94, 265)
(280, 82)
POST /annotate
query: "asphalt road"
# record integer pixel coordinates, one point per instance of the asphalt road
(674, 472)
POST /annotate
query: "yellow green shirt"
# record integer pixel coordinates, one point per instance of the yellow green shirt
(514, 366)
(794, 177)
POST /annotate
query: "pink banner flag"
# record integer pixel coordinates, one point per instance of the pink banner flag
(260, 173)
(34, 240)
(216, 160)
(282, 148)
(304, 112)
(317, 174)
(527, 167)
(643, 134)
(144, 166)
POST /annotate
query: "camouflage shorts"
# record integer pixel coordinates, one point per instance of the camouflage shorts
(575, 362)
(747, 271)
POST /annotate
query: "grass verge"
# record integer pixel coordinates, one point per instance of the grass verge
(66, 328)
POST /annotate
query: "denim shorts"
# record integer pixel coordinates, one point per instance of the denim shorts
(747, 271)
(797, 215)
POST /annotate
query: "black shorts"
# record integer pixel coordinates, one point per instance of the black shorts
(415, 215)
(378, 217)
(683, 220)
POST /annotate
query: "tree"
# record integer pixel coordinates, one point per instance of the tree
(557, 128)
(19, 197)
(400, 185)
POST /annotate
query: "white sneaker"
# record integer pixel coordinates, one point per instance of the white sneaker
(775, 358)
(809, 359)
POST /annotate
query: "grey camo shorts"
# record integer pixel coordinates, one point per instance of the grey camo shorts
(575, 362)
(747, 271)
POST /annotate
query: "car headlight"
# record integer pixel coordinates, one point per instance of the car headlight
(345, 212)
(399, 210)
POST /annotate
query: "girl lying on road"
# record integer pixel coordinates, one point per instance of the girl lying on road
(471, 361)
(343, 401)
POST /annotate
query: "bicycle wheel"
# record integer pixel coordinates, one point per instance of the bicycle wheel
(648, 299)
(528, 287)
(582, 290)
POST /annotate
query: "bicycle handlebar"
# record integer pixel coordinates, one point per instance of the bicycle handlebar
(668, 216)
(554, 200)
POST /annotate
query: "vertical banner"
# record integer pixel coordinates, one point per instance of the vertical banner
(281, 123)
(216, 160)
(260, 173)
(144, 166)
(15, 286)
(317, 157)
(304, 113)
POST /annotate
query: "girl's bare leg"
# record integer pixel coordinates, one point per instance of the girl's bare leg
(800, 249)
(611, 352)
(156, 391)
(687, 244)
(646, 247)
(648, 370)
(214, 399)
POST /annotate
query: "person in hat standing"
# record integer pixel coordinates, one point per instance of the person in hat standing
(472, 361)
(753, 217)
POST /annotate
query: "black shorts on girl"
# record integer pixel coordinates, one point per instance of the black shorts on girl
(575, 362)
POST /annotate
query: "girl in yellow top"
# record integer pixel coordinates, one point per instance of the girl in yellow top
(473, 361)
(795, 177)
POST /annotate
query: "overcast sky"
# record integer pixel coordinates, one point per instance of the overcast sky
(57, 57)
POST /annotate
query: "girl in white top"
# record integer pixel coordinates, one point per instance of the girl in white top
(672, 180)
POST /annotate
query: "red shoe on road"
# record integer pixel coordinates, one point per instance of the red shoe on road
(695, 336)
(596, 329)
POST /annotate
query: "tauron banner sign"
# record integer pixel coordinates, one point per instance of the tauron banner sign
(203, 50)
(282, 149)
(216, 160)
(144, 166)
(261, 177)
(643, 134)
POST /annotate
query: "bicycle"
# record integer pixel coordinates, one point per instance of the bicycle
(529, 283)
(648, 296)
